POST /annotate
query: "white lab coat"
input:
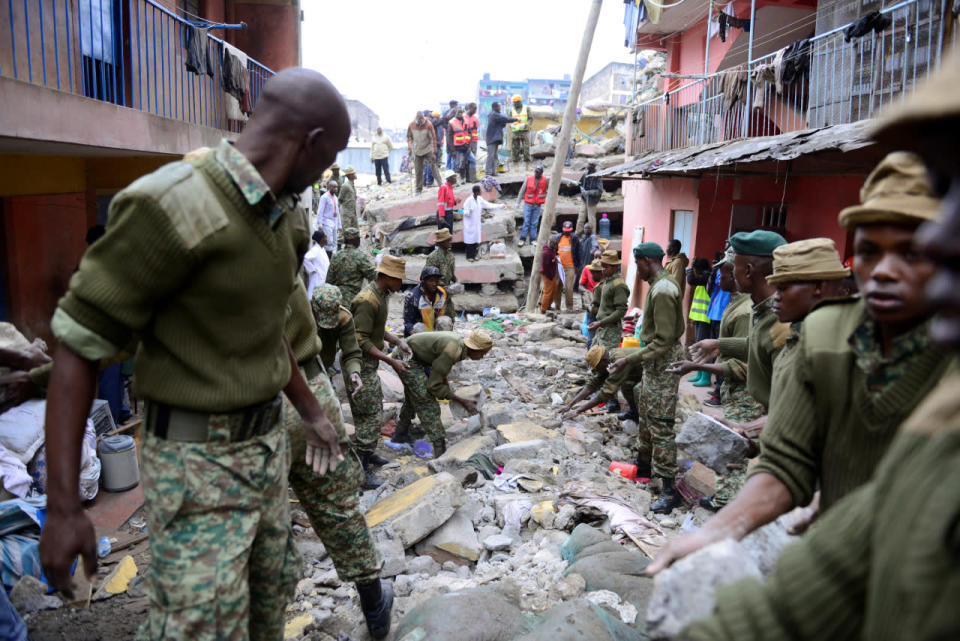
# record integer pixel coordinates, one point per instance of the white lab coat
(328, 219)
(316, 263)
(472, 214)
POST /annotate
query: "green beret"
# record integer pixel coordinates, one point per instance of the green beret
(648, 250)
(759, 242)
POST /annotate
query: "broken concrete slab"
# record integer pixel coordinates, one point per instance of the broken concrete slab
(524, 431)
(500, 226)
(458, 453)
(537, 332)
(570, 354)
(475, 302)
(473, 392)
(454, 538)
(686, 591)
(485, 270)
(701, 479)
(391, 550)
(420, 508)
(537, 448)
(711, 442)
(421, 205)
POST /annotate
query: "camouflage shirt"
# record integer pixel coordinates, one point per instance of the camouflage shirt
(349, 267)
(882, 371)
(348, 204)
(443, 260)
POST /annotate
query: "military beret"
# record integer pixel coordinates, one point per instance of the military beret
(351, 233)
(759, 242)
(648, 250)
(594, 355)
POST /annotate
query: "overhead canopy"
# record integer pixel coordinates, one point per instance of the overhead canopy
(827, 150)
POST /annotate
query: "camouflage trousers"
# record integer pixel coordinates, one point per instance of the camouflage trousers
(656, 395)
(332, 501)
(609, 336)
(224, 565)
(738, 404)
(418, 399)
(520, 146)
(728, 485)
(367, 405)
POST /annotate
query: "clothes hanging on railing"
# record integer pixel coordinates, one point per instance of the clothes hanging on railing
(726, 20)
(872, 22)
(762, 74)
(713, 29)
(236, 82)
(198, 51)
(792, 63)
(734, 86)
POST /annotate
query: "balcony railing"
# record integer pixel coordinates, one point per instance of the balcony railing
(836, 82)
(131, 53)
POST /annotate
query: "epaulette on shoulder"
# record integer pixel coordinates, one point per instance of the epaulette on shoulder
(344, 315)
(366, 296)
(779, 333)
(939, 412)
(838, 300)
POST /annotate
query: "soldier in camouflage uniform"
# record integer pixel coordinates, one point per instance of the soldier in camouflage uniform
(611, 308)
(350, 266)
(348, 199)
(337, 332)
(604, 384)
(442, 258)
(369, 309)
(438, 352)
(332, 501)
(184, 269)
(656, 393)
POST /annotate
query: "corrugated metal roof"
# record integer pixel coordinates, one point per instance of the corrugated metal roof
(846, 137)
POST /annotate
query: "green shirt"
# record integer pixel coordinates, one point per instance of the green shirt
(827, 428)
(443, 260)
(761, 347)
(608, 384)
(369, 309)
(438, 351)
(198, 263)
(595, 301)
(613, 300)
(349, 267)
(880, 567)
(735, 323)
(662, 318)
(348, 204)
(344, 337)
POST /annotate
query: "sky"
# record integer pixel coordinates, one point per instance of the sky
(399, 56)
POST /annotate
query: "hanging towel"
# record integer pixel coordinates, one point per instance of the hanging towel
(734, 86)
(235, 80)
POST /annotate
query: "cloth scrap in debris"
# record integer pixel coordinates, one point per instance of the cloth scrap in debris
(623, 518)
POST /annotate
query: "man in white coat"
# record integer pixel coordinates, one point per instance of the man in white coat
(472, 214)
(328, 216)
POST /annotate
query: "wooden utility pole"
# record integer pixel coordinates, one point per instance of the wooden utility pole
(556, 172)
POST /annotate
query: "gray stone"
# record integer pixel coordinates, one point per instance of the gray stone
(475, 302)
(423, 565)
(711, 442)
(391, 550)
(686, 591)
(526, 450)
(497, 542)
(563, 519)
(30, 595)
(498, 414)
(458, 453)
(420, 508)
(473, 392)
(766, 544)
(570, 587)
(570, 354)
(311, 549)
(536, 332)
(403, 585)
(455, 537)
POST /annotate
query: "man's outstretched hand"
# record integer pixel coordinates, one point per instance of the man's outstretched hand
(64, 536)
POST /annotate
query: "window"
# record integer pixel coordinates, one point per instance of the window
(682, 228)
(99, 26)
(773, 216)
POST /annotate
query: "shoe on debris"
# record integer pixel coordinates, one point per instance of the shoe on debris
(376, 602)
(707, 503)
(629, 415)
(713, 401)
(376, 460)
(668, 500)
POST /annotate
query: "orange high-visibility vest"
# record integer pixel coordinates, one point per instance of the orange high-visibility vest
(461, 136)
(472, 124)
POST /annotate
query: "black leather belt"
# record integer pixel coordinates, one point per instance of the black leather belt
(188, 426)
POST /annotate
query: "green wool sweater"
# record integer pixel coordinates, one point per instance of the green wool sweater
(300, 328)
(827, 427)
(439, 351)
(662, 318)
(760, 349)
(343, 337)
(613, 300)
(369, 309)
(735, 323)
(195, 272)
(882, 566)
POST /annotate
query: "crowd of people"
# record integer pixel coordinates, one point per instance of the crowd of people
(850, 399)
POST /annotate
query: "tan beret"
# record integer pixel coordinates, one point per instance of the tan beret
(805, 260)
(478, 339)
(610, 257)
(392, 266)
(594, 355)
(897, 191)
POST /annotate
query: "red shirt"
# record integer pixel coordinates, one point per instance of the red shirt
(445, 199)
(586, 279)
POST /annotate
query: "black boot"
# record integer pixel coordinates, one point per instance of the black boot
(370, 482)
(669, 498)
(402, 433)
(629, 415)
(376, 601)
(376, 460)
(644, 470)
(706, 502)
(439, 447)
(613, 406)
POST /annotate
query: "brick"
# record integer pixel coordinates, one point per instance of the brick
(701, 479)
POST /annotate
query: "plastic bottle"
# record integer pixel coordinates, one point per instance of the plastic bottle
(103, 547)
(603, 227)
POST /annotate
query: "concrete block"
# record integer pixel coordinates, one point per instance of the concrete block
(711, 442)
(391, 550)
(473, 392)
(497, 542)
(475, 303)
(701, 479)
(455, 537)
(500, 226)
(522, 450)
(391, 385)
(423, 565)
(538, 332)
(420, 508)
(458, 453)
(523, 431)
(486, 270)
(686, 591)
(30, 595)
(570, 354)
(498, 414)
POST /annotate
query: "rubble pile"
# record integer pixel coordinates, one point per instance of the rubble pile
(519, 530)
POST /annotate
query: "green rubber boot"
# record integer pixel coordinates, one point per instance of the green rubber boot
(705, 380)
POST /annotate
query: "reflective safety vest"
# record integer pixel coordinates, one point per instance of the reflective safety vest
(700, 305)
(461, 136)
(522, 117)
(535, 195)
(472, 124)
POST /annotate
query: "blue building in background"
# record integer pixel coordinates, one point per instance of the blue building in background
(543, 92)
